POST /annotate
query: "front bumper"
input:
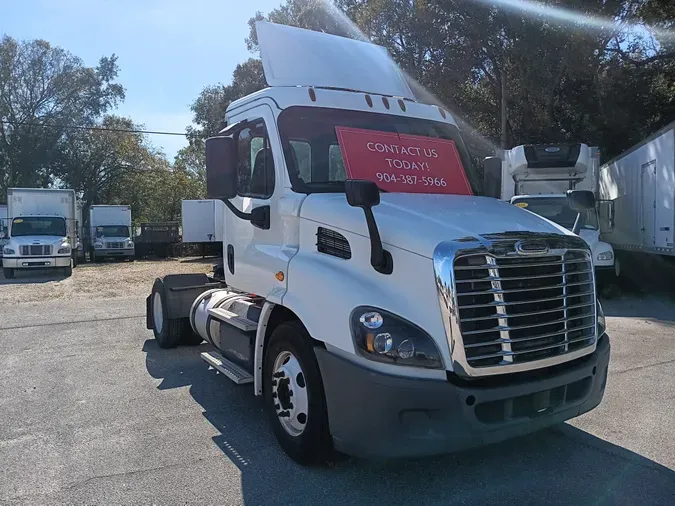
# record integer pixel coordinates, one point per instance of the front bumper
(114, 252)
(35, 262)
(377, 415)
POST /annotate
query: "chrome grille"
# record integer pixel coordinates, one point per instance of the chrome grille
(114, 245)
(526, 308)
(36, 250)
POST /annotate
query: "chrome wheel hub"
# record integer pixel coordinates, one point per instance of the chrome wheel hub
(289, 393)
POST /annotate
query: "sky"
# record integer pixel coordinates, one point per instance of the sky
(168, 50)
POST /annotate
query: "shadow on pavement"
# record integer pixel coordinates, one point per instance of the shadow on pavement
(649, 307)
(559, 466)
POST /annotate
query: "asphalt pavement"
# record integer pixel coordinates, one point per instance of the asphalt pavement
(92, 411)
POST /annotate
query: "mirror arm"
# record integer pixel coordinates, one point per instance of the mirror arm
(577, 225)
(259, 216)
(380, 259)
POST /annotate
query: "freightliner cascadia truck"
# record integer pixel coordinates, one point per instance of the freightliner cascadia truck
(377, 303)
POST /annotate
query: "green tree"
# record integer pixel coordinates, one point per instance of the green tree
(42, 88)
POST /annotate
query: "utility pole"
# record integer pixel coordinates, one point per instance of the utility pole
(503, 98)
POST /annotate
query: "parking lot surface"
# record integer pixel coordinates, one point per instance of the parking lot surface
(92, 411)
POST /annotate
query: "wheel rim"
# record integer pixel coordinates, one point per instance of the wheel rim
(289, 393)
(157, 313)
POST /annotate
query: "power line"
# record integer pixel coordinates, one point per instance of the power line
(95, 129)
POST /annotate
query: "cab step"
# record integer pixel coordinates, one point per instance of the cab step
(228, 368)
(238, 321)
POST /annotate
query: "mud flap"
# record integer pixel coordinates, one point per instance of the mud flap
(148, 313)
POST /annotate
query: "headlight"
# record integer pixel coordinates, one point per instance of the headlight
(384, 337)
(63, 250)
(605, 255)
(98, 245)
(8, 251)
(602, 325)
(130, 244)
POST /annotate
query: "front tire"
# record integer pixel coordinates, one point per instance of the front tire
(68, 271)
(294, 396)
(8, 273)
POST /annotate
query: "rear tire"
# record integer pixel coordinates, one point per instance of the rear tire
(303, 436)
(168, 332)
(8, 273)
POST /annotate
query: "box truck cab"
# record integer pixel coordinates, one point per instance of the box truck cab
(42, 230)
(379, 305)
(110, 232)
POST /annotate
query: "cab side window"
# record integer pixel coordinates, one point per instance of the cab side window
(255, 165)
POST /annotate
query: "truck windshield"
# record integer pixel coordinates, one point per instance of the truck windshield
(38, 225)
(112, 231)
(558, 210)
(314, 139)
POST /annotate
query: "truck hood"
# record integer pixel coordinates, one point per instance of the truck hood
(24, 240)
(418, 222)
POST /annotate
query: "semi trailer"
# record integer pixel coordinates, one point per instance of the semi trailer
(202, 224)
(536, 177)
(637, 196)
(378, 304)
(110, 233)
(42, 230)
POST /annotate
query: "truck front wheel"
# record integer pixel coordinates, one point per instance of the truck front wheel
(294, 397)
(68, 271)
(8, 273)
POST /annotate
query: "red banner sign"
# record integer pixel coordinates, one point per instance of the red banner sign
(402, 163)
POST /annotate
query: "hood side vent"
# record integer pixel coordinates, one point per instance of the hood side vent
(332, 243)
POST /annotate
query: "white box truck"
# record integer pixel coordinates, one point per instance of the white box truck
(110, 232)
(536, 178)
(637, 193)
(202, 224)
(42, 230)
(3, 227)
(421, 320)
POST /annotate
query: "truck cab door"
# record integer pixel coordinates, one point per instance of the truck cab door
(253, 255)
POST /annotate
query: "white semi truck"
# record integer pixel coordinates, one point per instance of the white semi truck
(416, 321)
(536, 177)
(42, 230)
(110, 233)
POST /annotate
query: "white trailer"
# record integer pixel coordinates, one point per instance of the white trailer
(638, 190)
(42, 230)
(202, 221)
(110, 232)
(416, 321)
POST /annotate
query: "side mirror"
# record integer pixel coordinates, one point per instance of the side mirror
(492, 177)
(580, 200)
(221, 168)
(366, 194)
(362, 193)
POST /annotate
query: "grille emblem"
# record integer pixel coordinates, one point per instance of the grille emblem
(531, 248)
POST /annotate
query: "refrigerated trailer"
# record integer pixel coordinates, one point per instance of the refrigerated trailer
(637, 193)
